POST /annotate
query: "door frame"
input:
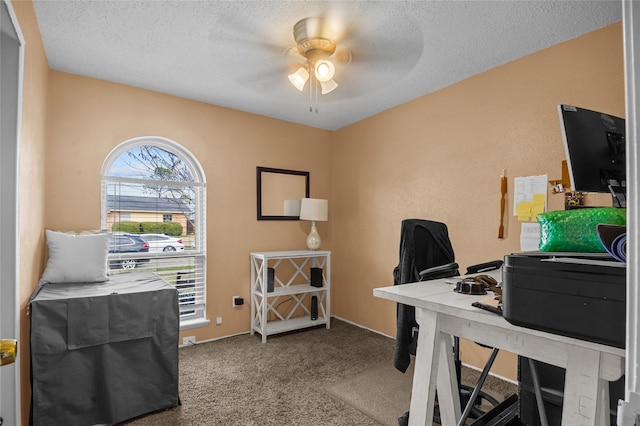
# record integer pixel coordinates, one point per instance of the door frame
(9, 231)
(631, 26)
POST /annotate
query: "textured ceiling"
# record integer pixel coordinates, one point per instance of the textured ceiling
(233, 53)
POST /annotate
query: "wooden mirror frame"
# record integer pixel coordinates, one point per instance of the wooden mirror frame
(259, 182)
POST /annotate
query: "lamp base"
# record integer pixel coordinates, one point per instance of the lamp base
(313, 240)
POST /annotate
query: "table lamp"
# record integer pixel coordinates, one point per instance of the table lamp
(292, 207)
(314, 209)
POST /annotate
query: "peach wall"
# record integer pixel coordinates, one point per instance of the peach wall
(440, 157)
(30, 180)
(90, 117)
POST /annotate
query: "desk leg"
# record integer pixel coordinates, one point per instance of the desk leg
(434, 361)
(603, 416)
(448, 392)
(584, 391)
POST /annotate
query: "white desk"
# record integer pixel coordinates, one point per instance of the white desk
(442, 313)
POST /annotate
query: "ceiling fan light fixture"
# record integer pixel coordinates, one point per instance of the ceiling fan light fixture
(328, 86)
(299, 78)
(316, 41)
(324, 70)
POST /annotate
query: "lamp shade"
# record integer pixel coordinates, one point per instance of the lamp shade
(292, 207)
(314, 209)
(328, 86)
(299, 78)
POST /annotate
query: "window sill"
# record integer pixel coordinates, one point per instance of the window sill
(194, 323)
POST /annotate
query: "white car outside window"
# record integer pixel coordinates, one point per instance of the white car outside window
(161, 242)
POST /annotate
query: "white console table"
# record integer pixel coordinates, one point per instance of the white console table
(291, 289)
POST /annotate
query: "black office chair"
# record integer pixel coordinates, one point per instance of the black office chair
(426, 254)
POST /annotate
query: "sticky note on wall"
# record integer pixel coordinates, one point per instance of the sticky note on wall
(528, 210)
(537, 205)
(523, 211)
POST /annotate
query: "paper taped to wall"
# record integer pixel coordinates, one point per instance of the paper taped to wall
(529, 197)
(529, 236)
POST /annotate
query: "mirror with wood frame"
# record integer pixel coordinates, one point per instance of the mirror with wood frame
(274, 186)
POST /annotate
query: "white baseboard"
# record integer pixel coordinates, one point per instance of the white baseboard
(214, 339)
(362, 326)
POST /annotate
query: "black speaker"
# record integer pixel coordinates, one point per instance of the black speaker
(316, 277)
(271, 274)
(314, 308)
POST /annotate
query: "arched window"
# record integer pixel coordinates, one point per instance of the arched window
(153, 200)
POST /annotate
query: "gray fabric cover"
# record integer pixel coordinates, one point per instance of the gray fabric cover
(102, 353)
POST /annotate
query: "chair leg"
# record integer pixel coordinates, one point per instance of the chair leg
(476, 390)
(536, 386)
(456, 356)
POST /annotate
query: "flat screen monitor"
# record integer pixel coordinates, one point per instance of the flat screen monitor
(594, 145)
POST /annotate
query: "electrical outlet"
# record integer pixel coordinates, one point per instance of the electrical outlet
(237, 301)
(218, 320)
(189, 340)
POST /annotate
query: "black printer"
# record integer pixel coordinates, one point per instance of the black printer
(581, 295)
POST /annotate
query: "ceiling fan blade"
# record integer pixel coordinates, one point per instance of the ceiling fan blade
(232, 32)
(375, 62)
(266, 79)
(342, 56)
(292, 53)
(371, 46)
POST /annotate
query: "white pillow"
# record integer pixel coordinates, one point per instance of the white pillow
(76, 258)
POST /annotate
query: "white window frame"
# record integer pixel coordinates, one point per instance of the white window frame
(192, 314)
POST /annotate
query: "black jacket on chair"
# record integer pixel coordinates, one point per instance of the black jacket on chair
(423, 244)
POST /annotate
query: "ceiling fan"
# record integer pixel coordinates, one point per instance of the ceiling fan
(317, 43)
(356, 51)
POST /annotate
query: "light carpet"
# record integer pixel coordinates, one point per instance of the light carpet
(381, 392)
(384, 393)
(343, 376)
